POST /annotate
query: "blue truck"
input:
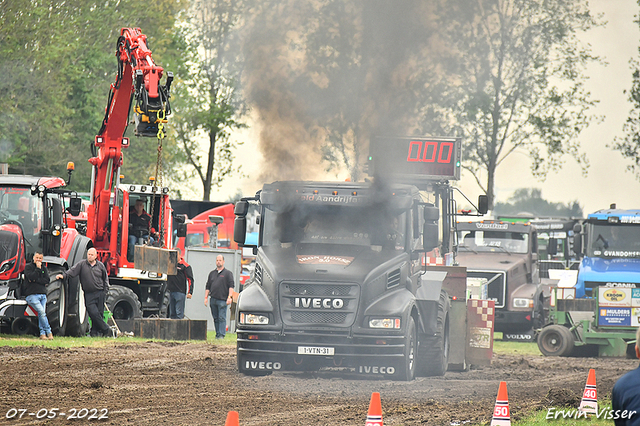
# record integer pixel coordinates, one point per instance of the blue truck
(610, 242)
(602, 315)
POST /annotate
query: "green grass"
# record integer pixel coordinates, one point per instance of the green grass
(97, 342)
(514, 348)
(539, 418)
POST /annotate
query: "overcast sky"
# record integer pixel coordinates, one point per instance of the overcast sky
(607, 180)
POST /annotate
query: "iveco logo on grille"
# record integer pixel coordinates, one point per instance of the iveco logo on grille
(318, 303)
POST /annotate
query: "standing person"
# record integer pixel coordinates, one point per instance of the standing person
(180, 288)
(36, 280)
(626, 394)
(95, 284)
(220, 287)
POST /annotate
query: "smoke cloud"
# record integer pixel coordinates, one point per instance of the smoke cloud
(324, 76)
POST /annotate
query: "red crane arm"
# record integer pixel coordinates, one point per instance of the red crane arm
(138, 78)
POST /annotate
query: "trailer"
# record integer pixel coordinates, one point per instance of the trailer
(603, 326)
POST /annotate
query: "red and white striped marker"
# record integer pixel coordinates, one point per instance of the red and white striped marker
(501, 414)
(589, 403)
(374, 417)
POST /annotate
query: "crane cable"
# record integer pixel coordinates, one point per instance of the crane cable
(158, 177)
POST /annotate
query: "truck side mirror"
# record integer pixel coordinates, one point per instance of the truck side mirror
(430, 236)
(483, 204)
(75, 206)
(181, 227)
(552, 247)
(430, 228)
(577, 239)
(416, 221)
(241, 208)
(240, 228)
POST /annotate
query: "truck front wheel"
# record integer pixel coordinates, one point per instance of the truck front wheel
(555, 340)
(435, 360)
(408, 373)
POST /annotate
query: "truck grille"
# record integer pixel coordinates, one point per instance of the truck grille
(318, 317)
(318, 304)
(545, 265)
(496, 285)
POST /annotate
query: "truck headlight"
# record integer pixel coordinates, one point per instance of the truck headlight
(520, 302)
(384, 323)
(254, 319)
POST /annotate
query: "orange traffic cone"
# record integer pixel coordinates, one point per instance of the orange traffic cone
(374, 417)
(233, 419)
(589, 403)
(501, 416)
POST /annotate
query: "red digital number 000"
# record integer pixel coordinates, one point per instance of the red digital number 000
(430, 152)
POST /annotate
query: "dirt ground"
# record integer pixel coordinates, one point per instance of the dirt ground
(197, 384)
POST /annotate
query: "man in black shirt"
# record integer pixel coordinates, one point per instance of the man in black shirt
(95, 284)
(220, 287)
(180, 286)
(36, 278)
(139, 226)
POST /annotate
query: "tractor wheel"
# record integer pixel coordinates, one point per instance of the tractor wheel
(22, 326)
(164, 309)
(57, 303)
(555, 340)
(123, 303)
(435, 360)
(77, 314)
(408, 373)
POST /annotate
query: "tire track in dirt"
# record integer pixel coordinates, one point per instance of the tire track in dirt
(196, 384)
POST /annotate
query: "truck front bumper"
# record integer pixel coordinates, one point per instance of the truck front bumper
(513, 321)
(263, 351)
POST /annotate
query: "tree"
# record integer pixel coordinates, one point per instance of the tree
(210, 105)
(529, 200)
(326, 76)
(629, 145)
(57, 60)
(514, 81)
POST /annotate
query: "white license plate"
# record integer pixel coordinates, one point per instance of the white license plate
(314, 350)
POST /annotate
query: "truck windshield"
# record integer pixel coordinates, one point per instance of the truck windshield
(335, 225)
(493, 241)
(613, 241)
(17, 204)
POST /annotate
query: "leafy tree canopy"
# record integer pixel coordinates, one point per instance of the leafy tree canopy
(57, 62)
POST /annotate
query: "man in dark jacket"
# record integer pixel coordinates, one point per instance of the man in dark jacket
(95, 284)
(220, 287)
(36, 279)
(180, 288)
(625, 396)
(139, 226)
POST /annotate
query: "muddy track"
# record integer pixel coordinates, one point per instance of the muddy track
(197, 384)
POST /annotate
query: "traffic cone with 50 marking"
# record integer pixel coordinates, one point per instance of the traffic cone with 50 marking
(233, 419)
(374, 417)
(589, 403)
(501, 416)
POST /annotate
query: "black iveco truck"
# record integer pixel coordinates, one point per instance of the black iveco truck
(339, 278)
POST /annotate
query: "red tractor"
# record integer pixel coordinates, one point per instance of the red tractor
(32, 213)
(33, 218)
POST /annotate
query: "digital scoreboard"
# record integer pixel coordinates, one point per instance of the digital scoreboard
(415, 159)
